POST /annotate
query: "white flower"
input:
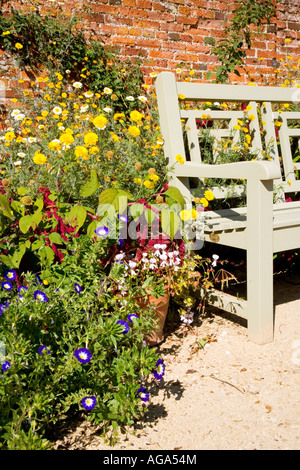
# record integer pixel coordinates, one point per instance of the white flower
(15, 112)
(107, 109)
(163, 256)
(120, 256)
(77, 84)
(107, 91)
(31, 140)
(129, 98)
(88, 94)
(57, 110)
(215, 258)
(19, 117)
(84, 108)
(143, 99)
(21, 154)
(18, 163)
(132, 264)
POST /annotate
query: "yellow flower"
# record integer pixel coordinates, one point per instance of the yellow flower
(5, 33)
(154, 177)
(90, 138)
(9, 136)
(39, 158)
(209, 195)
(100, 122)
(54, 145)
(278, 123)
(181, 96)
(251, 117)
(18, 45)
(137, 180)
(248, 138)
(180, 159)
(148, 184)
(134, 131)
(114, 137)
(288, 182)
(82, 152)
(249, 107)
(188, 214)
(135, 116)
(287, 40)
(237, 126)
(67, 138)
(94, 150)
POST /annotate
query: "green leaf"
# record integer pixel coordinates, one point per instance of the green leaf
(136, 210)
(25, 223)
(5, 206)
(36, 218)
(116, 197)
(174, 196)
(55, 237)
(76, 216)
(91, 186)
(37, 244)
(170, 222)
(91, 229)
(22, 191)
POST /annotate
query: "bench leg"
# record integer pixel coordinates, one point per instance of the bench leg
(260, 306)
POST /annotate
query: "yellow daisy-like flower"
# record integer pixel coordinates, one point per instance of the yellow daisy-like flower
(90, 139)
(188, 214)
(9, 136)
(287, 40)
(181, 96)
(54, 145)
(114, 137)
(154, 177)
(94, 150)
(100, 122)
(209, 195)
(39, 158)
(137, 180)
(135, 116)
(204, 202)
(134, 131)
(237, 127)
(148, 184)
(67, 138)
(18, 45)
(180, 159)
(251, 117)
(82, 152)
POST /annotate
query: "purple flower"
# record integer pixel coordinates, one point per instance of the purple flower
(77, 287)
(122, 218)
(5, 366)
(142, 394)
(131, 316)
(3, 307)
(43, 349)
(10, 274)
(6, 285)
(125, 326)
(102, 231)
(83, 355)
(22, 288)
(88, 402)
(41, 296)
(160, 369)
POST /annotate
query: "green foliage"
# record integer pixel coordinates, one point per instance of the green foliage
(58, 43)
(230, 50)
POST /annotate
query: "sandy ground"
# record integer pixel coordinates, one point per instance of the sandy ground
(229, 395)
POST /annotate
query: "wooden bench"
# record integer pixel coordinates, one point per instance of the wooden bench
(262, 227)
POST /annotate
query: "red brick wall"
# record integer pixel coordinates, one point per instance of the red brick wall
(164, 33)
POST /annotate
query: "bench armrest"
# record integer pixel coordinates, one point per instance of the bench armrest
(260, 170)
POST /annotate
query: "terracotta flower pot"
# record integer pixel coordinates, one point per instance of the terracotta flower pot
(161, 306)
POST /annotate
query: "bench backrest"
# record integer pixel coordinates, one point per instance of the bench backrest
(269, 128)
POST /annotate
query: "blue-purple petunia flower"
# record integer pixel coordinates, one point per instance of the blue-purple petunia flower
(10, 275)
(40, 296)
(77, 287)
(22, 288)
(102, 231)
(131, 316)
(122, 218)
(3, 307)
(43, 349)
(88, 402)
(83, 355)
(142, 394)
(7, 285)
(160, 369)
(5, 366)
(124, 324)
